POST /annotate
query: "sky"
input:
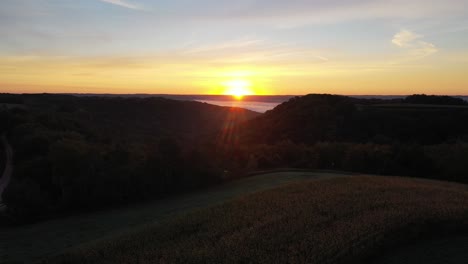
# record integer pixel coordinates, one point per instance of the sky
(294, 47)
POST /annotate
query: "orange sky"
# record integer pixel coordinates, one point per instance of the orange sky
(111, 75)
(290, 48)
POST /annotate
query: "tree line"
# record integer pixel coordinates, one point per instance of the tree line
(75, 154)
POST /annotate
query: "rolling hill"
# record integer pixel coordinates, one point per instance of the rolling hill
(313, 118)
(76, 153)
(64, 233)
(119, 118)
(336, 220)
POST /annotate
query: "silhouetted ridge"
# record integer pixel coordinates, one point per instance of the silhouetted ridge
(305, 119)
(323, 117)
(434, 100)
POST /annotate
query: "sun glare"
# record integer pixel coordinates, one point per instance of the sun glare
(238, 88)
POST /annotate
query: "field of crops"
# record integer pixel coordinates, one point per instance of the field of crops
(337, 220)
(26, 243)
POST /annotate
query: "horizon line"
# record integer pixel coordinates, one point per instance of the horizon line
(251, 95)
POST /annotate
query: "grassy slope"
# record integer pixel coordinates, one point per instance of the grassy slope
(27, 243)
(324, 221)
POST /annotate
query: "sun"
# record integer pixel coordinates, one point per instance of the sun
(238, 88)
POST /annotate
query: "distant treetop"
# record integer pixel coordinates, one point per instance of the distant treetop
(434, 99)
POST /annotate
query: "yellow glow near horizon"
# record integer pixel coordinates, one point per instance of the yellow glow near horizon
(238, 88)
(111, 75)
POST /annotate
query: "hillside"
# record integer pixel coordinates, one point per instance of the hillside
(319, 117)
(134, 119)
(82, 153)
(74, 154)
(338, 220)
(419, 136)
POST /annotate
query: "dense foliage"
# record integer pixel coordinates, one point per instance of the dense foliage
(74, 153)
(434, 100)
(317, 118)
(441, 161)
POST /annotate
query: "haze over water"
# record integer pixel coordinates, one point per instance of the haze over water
(258, 105)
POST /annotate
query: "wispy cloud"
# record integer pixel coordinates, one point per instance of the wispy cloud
(122, 3)
(411, 41)
(252, 50)
(424, 49)
(405, 38)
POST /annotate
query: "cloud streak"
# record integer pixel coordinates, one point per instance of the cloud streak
(298, 13)
(122, 3)
(411, 41)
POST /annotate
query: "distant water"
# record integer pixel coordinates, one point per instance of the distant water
(260, 107)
